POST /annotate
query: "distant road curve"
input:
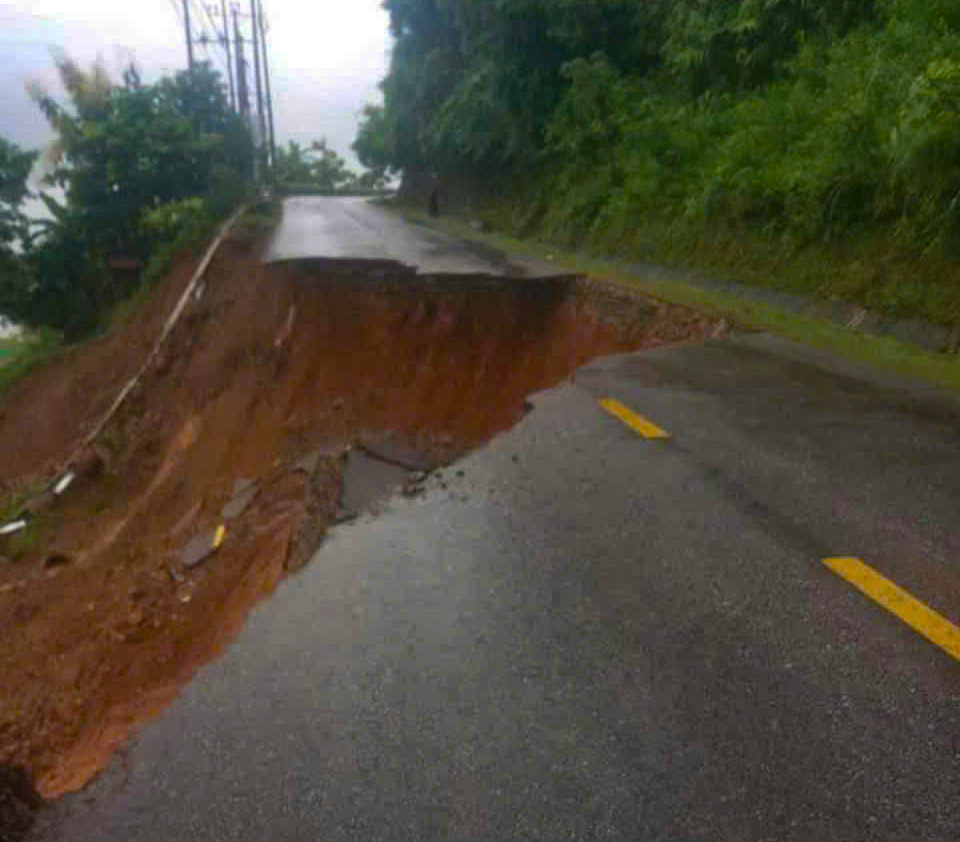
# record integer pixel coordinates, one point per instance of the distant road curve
(346, 229)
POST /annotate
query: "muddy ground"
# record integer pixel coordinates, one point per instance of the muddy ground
(100, 622)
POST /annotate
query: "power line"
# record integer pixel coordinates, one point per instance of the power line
(207, 42)
(243, 100)
(201, 14)
(223, 39)
(215, 59)
(204, 13)
(261, 120)
(226, 46)
(266, 79)
(189, 33)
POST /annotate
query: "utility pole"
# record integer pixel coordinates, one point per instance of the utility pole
(266, 79)
(256, 69)
(186, 26)
(243, 98)
(226, 46)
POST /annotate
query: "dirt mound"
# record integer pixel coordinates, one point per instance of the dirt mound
(100, 622)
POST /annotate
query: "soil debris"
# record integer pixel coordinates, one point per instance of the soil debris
(56, 560)
(410, 372)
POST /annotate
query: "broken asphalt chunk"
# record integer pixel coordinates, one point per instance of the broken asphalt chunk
(200, 548)
(240, 503)
(393, 450)
(368, 481)
(242, 484)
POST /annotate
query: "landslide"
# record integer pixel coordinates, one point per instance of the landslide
(100, 622)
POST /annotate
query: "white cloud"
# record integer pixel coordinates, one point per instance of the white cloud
(327, 56)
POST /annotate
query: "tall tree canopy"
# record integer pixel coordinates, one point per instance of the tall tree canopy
(123, 151)
(816, 118)
(317, 167)
(15, 166)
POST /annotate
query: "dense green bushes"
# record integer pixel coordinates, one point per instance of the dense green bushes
(318, 170)
(139, 166)
(815, 125)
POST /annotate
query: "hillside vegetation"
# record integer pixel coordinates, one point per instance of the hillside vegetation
(136, 172)
(809, 143)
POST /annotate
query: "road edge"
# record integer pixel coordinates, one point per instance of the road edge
(65, 476)
(844, 329)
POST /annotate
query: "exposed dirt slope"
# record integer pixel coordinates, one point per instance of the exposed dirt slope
(44, 416)
(99, 624)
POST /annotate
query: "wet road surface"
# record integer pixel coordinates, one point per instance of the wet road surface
(592, 635)
(339, 230)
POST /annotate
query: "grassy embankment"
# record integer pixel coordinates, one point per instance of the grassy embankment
(940, 369)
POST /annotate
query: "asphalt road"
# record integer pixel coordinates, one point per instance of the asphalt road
(354, 230)
(592, 635)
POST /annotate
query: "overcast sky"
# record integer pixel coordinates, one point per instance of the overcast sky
(327, 57)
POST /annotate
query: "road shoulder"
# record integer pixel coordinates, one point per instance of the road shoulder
(837, 328)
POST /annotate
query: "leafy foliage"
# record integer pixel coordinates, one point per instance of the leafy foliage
(136, 163)
(319, 168)
(15, 166)
(813, 121)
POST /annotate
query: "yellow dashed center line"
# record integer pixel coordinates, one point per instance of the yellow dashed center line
(921, 618)
(640, 425)
(933, 626)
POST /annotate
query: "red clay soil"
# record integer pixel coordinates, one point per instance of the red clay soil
(99, 627)
(44, 416)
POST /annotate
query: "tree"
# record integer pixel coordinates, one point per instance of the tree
(805, 118)
(375, 144)
(122, 151)
(15, 167)
(328, 170)
(318, 167)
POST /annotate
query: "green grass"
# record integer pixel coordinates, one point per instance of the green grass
(120, 312)
(11, 505)
(21, 355)
(262, 217)
(884, 352)
(195, 238)
(18, 356)
(28, 539)
(10, 349)
(869, 269)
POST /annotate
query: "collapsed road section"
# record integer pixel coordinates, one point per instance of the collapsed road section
(290, 397)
